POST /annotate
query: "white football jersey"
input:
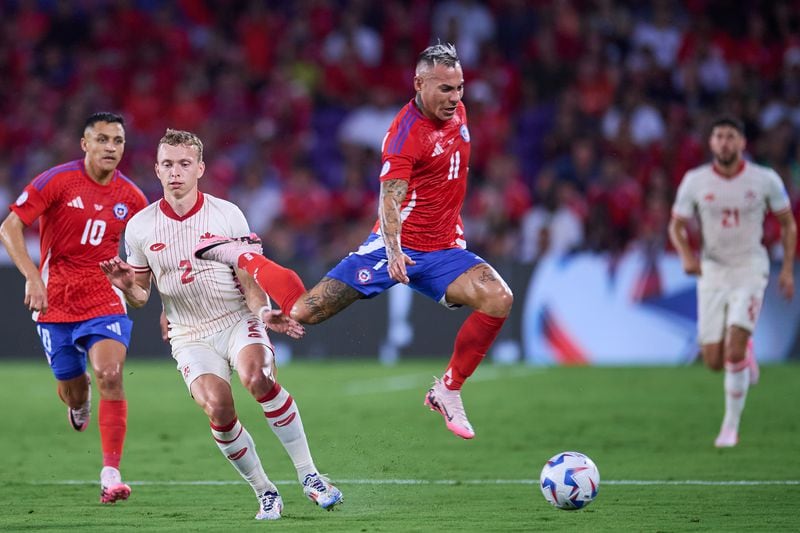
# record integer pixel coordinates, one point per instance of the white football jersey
(200, 297)
(731, 212)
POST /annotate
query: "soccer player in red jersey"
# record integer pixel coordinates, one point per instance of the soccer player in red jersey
(82, 207)
(418, 238)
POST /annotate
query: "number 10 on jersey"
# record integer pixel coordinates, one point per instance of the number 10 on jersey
(93, 232)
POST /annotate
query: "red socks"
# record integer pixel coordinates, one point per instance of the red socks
(477, 333)
(282, 284)
(113, 422)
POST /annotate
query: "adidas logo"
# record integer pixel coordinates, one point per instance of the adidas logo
(76, 202)
(437, 150)
(115, 327)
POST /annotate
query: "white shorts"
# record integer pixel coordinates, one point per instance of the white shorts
(217, 354)
(718, 309)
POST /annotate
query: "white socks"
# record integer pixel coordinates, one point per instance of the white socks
(737, 382)
(284, 419)
(236, 444)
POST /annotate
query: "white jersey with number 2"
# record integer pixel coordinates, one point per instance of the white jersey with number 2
(200, 297)
(731, 212)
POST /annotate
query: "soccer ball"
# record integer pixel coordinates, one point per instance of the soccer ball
(569, 481)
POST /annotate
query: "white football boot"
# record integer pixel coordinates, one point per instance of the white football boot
(319, 490)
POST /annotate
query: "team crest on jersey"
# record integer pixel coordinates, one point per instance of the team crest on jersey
(364, 275)
(121, 211)
(464, 133)
(22, 198)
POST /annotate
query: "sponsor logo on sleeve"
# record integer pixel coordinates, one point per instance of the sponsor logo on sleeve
(22, 198)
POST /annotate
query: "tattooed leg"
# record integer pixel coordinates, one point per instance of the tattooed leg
(324, 300)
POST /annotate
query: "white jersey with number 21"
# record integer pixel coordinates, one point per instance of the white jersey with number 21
(731, 212)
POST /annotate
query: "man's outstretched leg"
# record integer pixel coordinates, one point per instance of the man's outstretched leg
(282, 284)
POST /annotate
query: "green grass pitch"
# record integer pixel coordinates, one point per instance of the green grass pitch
(650, 431)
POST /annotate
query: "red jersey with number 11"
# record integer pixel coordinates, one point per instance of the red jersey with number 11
(80, 224)
(433, 157)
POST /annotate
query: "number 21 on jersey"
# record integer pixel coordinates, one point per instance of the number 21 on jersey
(93, 232)
(730, 217)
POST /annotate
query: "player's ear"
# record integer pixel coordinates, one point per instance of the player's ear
(83, 143)
(202, 166)
(418, 83)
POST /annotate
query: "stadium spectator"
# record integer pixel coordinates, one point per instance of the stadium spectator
(554, 225)
(556, 71)
(216, 320)
(82, 208)
(731, 197)
(418, 237)
(466, 23)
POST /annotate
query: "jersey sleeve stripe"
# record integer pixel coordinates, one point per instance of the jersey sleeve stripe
(140, 269)
(44, 178)
(406, 122)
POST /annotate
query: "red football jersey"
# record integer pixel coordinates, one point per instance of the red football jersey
(433, 157)
(80, 224)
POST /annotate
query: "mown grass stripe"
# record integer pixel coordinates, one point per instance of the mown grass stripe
(649, 482)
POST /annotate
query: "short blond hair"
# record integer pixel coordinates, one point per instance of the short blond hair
(185, 138)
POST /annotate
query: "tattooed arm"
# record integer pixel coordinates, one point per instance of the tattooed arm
(393, 192)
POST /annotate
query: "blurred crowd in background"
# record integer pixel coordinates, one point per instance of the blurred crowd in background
(584, 114)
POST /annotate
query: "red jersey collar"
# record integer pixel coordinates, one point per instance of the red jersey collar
(719, 173)
(169, 212)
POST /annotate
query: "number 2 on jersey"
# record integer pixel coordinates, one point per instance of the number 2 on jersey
(93, 232)
(187, 276)
(730, 218)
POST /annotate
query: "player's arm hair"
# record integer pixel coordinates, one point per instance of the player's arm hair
(139, 292)
(788, 238)
(679, 236)
(393, 192)
(254, 295)
(13, 237)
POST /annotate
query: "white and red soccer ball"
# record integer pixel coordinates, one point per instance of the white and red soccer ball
(569, 481)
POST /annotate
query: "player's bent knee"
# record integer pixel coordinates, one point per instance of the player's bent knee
(713, 357)
(219, 414)
(498, 304)
(299, 313)
(108, 379)
(257, 383)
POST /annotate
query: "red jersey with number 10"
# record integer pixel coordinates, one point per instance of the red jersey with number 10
(80, 224)
(433, 157)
